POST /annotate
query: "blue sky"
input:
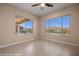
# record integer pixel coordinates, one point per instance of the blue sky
(66, 21)
(27, 24)
(57, 22)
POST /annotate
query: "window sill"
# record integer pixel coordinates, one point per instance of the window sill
(25, 35)
(54, 34)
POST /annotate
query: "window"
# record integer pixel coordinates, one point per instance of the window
(58, 25)
(23, 26)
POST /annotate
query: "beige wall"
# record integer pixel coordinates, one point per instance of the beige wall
(74, 38)
(7, 25)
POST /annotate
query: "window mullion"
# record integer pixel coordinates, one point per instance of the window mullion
(48, 26)
(62, 25)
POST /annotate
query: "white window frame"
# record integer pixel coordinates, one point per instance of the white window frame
(61, 26)
(26, 33)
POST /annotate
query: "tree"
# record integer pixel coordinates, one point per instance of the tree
(65, 30)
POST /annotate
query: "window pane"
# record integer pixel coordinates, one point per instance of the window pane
(66, 25)
(53, 25)
(25, 27)
(47, 25)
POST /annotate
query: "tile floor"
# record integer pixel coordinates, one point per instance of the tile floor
(40, 48)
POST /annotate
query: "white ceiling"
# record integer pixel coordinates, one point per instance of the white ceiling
(36, 10)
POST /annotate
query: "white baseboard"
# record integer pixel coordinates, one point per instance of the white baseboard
(14, 43)
(61, 42)
(19, 42)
